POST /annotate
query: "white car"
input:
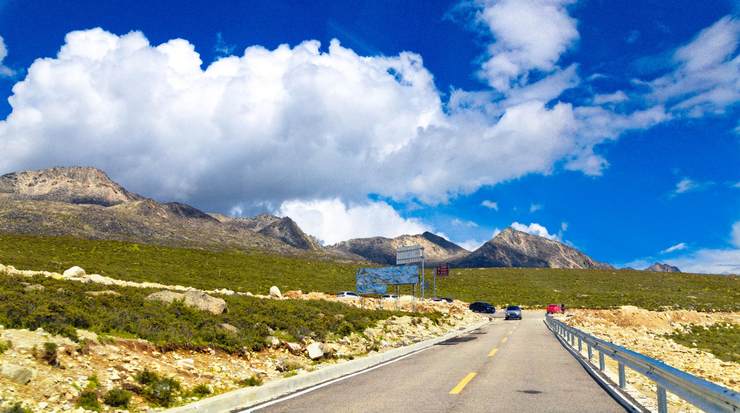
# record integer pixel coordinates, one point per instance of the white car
(348, 294)
(389, 297)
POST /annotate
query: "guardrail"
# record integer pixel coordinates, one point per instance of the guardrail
(703, 394)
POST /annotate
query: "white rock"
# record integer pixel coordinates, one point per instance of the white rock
(314, 351)
(17, 374)
(275, 292)
(294, 348)
(74, 272)
(185, 363)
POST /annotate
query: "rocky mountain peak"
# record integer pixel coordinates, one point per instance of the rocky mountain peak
(661, 267)
(74, 185)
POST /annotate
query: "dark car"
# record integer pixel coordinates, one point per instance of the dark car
(445, 299)
(482, 307)
(513, 312)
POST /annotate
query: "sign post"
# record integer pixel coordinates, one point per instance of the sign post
(442, 270)
(412, 254)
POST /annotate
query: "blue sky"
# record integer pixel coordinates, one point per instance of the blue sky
(610, 125)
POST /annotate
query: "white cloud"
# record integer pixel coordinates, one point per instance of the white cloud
(678, 247)
(689, 185)
(271, 125)
(4, 70)
(529, 35)
(492, 204)
(736, 234)
(535, 207)
(706, 78)
(461, 223)
(616, 97)
(471, 244)
(332, 221)
(535, 229)
(709, 261)
(736, 185)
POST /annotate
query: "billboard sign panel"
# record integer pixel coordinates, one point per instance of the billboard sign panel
(443, 270)
(375, 280)
(409, 254)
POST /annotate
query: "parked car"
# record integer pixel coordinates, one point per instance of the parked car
(482, 307)
(348, 294)
(553, 308)
(445, 299)
(389, 297)
(513, 312)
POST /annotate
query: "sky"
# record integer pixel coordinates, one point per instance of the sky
(609, 125)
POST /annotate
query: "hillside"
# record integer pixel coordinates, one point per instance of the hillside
(660, 267)
(512, 248)
(383, 250)
(257, 271)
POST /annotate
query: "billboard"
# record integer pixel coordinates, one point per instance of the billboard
(409, 254)
(375, 280)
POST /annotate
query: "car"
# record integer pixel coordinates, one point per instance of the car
(513, 312)
(442, 299)
(389, 297)
(482, 307)
(553, 308)
(348, 294)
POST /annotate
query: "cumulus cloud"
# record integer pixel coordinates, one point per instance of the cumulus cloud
(689, 185)
(471, 244)
(4, 70)
(616, 97)
(706, 78)
(490, 204)
(678, 247)
(271, 125)
(528, 35)
(463, 223)
(535, 229)
(332, 221)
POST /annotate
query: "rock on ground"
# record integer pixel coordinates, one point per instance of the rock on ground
(275, 292)
(17, 374)
(74, 272)
(315, 351)
(205, 302)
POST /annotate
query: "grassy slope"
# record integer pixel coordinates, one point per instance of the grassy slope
(256, 272)
(722, 340)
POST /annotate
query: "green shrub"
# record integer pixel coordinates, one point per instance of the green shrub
(88, 400)
(117, 397)
(251, 381)
(17, 408)
(5, 346)
(721, 339)
(161, 391)
(50, 354)
(200, 391)
(146, 377)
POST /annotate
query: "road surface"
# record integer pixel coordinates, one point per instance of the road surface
(505, 366)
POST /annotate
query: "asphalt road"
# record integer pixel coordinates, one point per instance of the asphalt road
(505, 366)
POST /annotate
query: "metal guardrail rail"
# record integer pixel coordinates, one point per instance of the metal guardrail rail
(703, 394)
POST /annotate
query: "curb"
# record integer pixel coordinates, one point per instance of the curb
(244, 398)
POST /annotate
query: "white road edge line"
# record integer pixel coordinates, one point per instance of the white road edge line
(330, 382)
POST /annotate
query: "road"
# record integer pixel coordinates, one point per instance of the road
(505, 366)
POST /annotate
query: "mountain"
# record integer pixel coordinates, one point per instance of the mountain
(512, 248)
(75, 185)
(383, 250)
(86, 203)
(660, 267)
(283, 229)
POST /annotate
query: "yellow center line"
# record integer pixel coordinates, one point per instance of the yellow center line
(503, 340)
(493, 352)
(457, 389)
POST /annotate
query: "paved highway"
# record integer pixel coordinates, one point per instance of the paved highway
(505, 366)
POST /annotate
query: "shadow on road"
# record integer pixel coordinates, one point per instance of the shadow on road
(457, 340)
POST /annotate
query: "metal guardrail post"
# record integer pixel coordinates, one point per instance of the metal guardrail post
(662, 400)
(601, 360)
(590, 352)
(622, 378)
(580, 344)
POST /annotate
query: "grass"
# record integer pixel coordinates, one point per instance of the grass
(722, 340)
(256, 272)
(64, 307)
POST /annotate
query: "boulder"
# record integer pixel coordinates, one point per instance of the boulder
(228, 327)
(165, 296)
(294, 348)
(188, 364)
(272, 341)
(205, 302)
(275, 292)
(34, 287)
(74, 272)
(17, 374)
(315, 351)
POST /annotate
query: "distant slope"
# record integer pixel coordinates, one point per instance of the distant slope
(383, 250)
(86, 203)
(660, 267)
(512, 248)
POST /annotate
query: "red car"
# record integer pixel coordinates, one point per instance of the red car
(554, 308)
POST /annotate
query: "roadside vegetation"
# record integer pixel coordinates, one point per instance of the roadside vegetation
(63, 306)
(256, 272)
(722, 340)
